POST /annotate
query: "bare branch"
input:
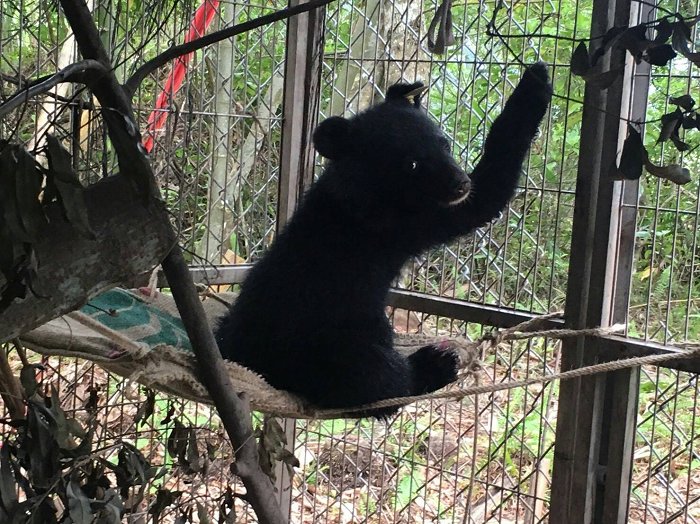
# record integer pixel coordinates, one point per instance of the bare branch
(73, 73)
(234, 411)
(116, 106)
(142, 72)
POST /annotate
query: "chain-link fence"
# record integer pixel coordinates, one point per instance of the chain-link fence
(216, 153)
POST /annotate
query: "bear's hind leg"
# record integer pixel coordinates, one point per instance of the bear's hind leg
(360, 377)
(433, 367)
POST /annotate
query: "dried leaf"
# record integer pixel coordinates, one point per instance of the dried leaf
(211, 450)
(675, 173)
(164, 498)
(680, 145)
(681, 41)
(660, 55)
(169, 415)
(78, 504)
(177, 441)
(9, 172)
(609, 40)
(684, 102)
(8, 487)
(75, 429)
(632, 158)
(635, 41)
(664, 30)
(227, 509)
(193, 460)
(670, 123)
(202, 514)
(27, 189)
(605, 79)
(146, 408)
(42, 448)
(690, 122)
(85, 446)
(287, 457)
(27, 377)
(69, 188)
(114, 509)
(93, 398)
(62, 434)
(580, 62)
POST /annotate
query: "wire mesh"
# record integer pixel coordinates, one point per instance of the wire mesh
(485, 459)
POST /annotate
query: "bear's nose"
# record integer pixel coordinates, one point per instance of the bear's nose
(463, 188)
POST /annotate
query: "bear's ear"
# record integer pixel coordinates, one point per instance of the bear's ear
(332, 136)
(410, 93)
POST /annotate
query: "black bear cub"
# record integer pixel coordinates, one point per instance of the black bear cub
(310, 317)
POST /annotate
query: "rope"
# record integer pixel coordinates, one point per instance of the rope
(515, 333)
(185, 367)
(135, 349)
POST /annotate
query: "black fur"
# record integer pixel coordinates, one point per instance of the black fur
(311, 314)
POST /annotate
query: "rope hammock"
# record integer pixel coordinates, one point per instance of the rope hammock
(140, 336)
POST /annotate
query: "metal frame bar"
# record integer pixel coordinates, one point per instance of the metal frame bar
(611, 346)
(300, 113)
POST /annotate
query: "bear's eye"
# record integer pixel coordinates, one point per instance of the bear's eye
(413, 164)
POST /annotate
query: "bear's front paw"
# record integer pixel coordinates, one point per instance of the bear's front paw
(434, 367)
(535, 86)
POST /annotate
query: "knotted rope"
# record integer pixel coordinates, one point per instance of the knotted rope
(174, 371)
(519, 332)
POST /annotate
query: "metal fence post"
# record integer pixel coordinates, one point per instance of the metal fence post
(578, 479)
(304, 52)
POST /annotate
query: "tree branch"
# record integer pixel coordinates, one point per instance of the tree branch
(233, 411)
(73, 73)
(116, 106)
(130, 239)
(142, 72)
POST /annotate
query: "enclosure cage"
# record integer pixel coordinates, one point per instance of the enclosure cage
(232, 157)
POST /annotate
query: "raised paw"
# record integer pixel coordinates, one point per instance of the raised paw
(433, 367)
(535, 85)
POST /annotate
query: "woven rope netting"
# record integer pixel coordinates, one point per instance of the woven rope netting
(141, 337)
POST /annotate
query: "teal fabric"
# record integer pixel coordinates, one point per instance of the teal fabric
(143, 322)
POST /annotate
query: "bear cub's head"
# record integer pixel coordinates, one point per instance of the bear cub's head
(393, 156)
